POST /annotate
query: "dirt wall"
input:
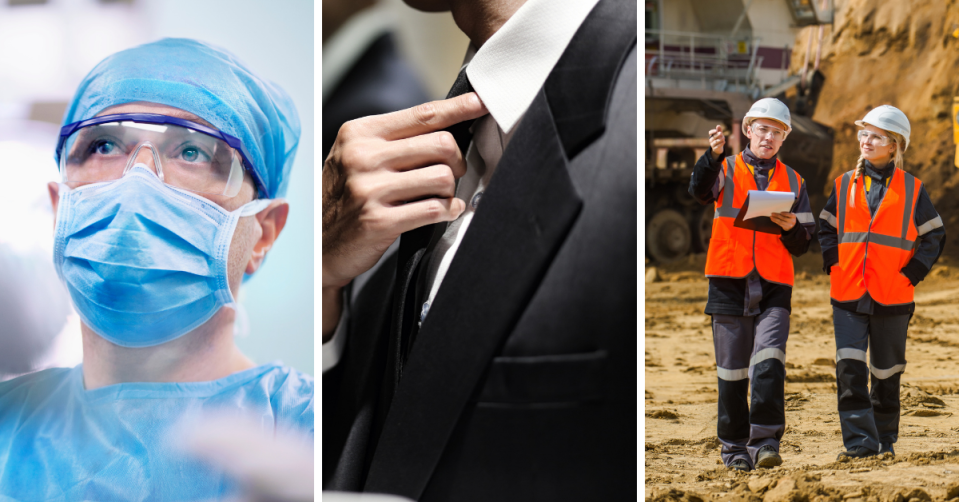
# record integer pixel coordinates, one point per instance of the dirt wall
(901, 53)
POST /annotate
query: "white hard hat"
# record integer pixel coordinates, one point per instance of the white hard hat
(888, 118)
(769, 108)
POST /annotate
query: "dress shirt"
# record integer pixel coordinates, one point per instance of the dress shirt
(506, 72)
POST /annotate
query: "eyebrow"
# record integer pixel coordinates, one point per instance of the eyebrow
(181, 114)
(187, 116)
(177, 113)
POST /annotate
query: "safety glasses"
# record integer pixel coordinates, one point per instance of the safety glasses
(765, 131)
(183, 154)
(873, 138)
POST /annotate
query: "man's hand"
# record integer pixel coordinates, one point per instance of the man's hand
(717, 141)
(786, 220)
(387, 174)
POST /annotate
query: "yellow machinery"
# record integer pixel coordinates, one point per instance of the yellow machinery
(955, 126)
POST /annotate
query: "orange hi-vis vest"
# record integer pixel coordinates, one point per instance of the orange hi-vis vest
(734, 252)
(874, 248)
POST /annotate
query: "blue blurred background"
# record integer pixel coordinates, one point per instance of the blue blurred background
(46, 47)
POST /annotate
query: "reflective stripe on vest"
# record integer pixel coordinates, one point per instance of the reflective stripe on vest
(727, 209)
(734, 252)
(874, 248)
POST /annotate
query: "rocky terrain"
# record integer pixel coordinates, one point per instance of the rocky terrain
(682, 452)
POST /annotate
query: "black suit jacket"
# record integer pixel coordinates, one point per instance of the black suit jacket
(521, 382)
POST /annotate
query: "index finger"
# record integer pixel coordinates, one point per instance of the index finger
(428, 117)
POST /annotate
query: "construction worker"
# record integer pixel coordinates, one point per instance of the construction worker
(750, 283)
(880, 235)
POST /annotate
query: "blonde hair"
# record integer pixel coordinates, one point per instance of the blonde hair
(897, 160)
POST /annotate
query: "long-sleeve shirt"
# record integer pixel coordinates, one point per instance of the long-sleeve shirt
(932, 239)
(752, 294)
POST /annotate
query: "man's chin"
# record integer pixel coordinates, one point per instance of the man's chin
(429, 5)
(766, 153)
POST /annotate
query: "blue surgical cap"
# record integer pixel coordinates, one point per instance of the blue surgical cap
(210, 83)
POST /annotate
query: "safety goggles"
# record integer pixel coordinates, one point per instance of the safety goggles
(765, 131)
(184, 154)
(873, 138)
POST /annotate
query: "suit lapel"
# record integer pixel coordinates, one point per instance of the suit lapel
(580, 86)
(525, 215)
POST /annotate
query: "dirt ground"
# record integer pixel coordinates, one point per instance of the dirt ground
(682, 452)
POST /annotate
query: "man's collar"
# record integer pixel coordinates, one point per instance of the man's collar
(511, 67)
(756, 162)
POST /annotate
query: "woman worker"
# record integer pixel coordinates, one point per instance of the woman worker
(880, 235)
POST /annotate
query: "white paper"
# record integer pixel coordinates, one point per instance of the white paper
(765, 203)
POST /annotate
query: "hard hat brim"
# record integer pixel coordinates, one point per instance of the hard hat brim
(749, 119)
(905, 147)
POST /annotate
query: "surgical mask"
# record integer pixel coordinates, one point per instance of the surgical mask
(144, 262)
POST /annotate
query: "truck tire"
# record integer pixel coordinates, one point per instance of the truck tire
(668, 237)
(702, 228)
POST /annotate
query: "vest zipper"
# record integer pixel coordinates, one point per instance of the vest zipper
(872, 218)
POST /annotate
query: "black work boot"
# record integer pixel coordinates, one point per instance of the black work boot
(886, 447)
(768, 457)
(739, 465)
(857, 452)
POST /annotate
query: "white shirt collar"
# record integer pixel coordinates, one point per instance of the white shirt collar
(512, 66)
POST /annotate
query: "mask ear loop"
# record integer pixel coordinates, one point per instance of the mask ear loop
(254, 207)
(156, 159)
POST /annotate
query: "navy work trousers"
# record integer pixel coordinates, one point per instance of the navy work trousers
(750, 350)
(869, 417)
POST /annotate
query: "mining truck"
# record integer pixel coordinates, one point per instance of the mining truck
(706, 62)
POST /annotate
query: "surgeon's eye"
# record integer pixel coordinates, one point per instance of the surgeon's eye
(103, 147)
(193, 154)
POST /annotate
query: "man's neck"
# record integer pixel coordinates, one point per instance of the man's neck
(206, 353)
(757, 161)
(480, 19)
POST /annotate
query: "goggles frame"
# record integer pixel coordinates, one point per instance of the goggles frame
(883, 139)
(770, 133)
(159, 119)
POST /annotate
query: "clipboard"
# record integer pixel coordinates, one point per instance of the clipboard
(757, 224)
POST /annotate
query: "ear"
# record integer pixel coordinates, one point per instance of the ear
(271, 221)
(54, 189)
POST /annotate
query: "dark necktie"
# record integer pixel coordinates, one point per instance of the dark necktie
(461, 132)
(415, 312)
(415, 245)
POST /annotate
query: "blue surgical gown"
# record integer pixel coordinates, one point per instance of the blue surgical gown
(60, 442)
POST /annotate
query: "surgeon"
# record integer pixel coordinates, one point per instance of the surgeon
(174, 159)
